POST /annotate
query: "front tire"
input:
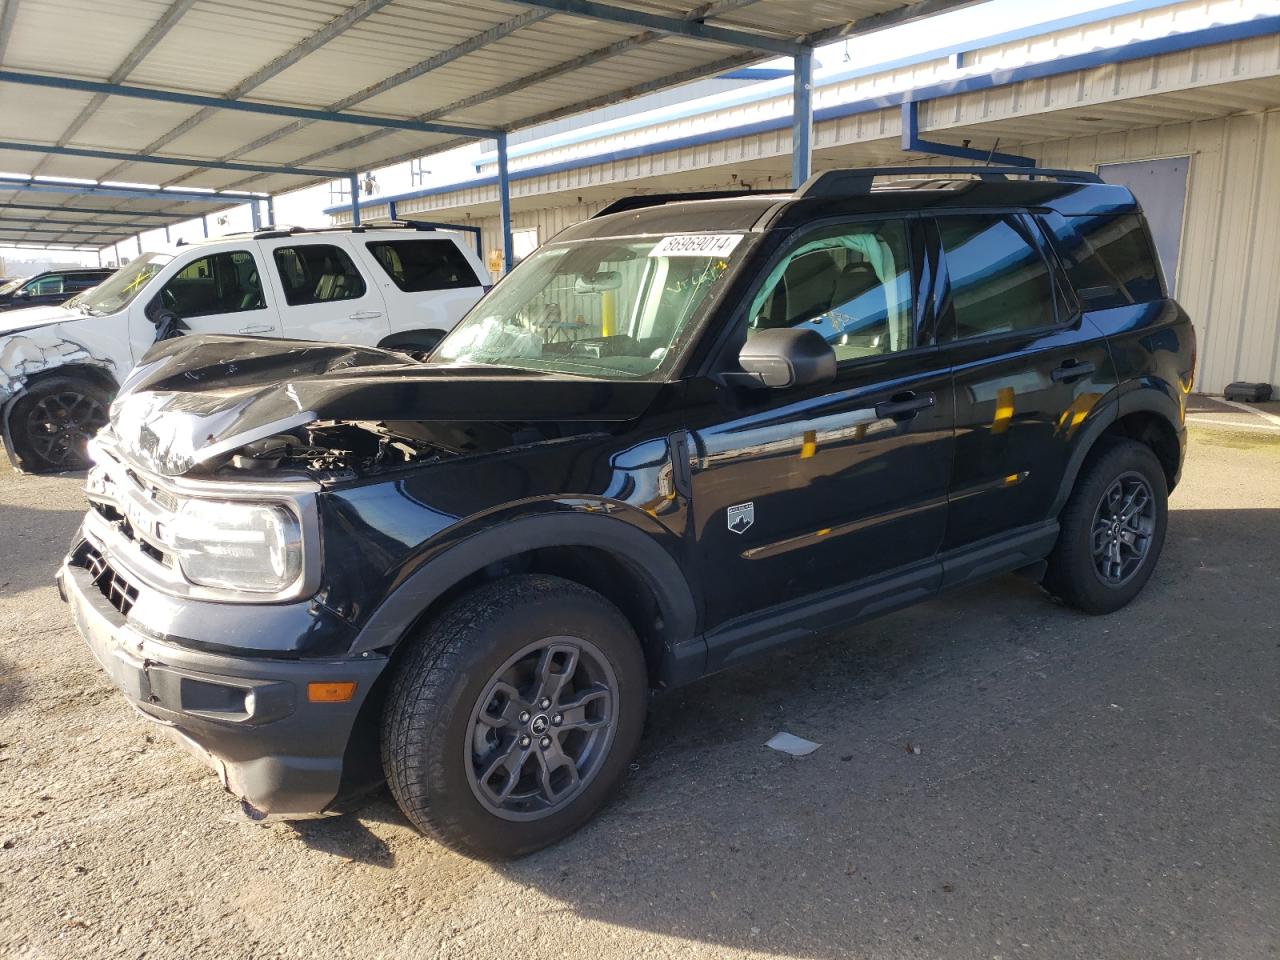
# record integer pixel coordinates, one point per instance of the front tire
(51, 424)
(514, 716)
(1112, 529)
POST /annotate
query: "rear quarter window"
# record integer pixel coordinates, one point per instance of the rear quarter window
(419, 265)
(1109, 259)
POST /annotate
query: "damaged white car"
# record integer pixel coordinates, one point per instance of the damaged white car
(402, 287)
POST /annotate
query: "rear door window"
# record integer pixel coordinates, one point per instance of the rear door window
(1109, 260)
(218, 283)
(46, 285)
(317, 273)
(423, 264)
(1000, 282)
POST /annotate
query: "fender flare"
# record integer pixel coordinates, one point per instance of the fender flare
(638, 549)
(1130, 398)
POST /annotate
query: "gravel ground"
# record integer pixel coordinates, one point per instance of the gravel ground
(1083, 788)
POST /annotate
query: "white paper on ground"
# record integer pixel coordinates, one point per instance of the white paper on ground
(790, 743)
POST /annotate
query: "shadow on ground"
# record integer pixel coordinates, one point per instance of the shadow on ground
(32, 545)
(1079, 780)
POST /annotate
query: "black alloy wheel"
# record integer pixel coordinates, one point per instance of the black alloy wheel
(59, 426)
(1122, 529)
(541, 728)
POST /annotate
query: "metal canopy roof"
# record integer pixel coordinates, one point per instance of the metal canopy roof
(246, 95)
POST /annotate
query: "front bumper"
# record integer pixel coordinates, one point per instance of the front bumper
(250, 718)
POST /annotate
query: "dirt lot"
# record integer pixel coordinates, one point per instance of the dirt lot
(1084, 787)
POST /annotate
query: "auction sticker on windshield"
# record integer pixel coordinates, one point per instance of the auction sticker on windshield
(696, 245)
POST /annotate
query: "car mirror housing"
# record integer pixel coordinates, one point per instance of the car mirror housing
(786, 357)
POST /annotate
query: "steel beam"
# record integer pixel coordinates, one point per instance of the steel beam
(98, 211)
(271, 210)
(67, 231)
(237, 165)
(911, 141)
(255, 215)
(121, 73)
(243, 106)
(128, 193)
(706, 10)
(57, 222)
(334, 28)
(802, 120)
(354, 183)
(504, 205)
(673, 26)
(7, 15)
(889, 18)
(470, 45)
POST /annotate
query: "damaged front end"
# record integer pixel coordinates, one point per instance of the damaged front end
(31, 352)
(222, 407)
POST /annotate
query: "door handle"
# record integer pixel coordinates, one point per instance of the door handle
(1071, 370)
(258, 328)
(904, 406)
(364, 315)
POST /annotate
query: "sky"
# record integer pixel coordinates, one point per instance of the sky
(305, 207)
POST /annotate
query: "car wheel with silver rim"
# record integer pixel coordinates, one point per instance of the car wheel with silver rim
(514, 715)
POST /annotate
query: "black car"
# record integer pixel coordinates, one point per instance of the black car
(686, 431)
(49, 288)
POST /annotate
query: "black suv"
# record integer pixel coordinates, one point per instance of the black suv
(49, 288)
(686, 431)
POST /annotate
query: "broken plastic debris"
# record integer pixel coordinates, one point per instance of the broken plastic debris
(790, 743)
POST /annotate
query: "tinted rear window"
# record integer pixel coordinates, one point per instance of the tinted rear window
(1109, 260)
(421, 264)
(999, 281)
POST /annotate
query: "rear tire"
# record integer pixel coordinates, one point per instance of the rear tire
(1112, 529)
(514, 716)
(51, 424)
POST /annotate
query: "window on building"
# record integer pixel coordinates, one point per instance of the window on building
(219, 283)
(999, 281)
(317, 273)
(418, 171)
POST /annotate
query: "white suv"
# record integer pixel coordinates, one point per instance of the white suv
(400, 287)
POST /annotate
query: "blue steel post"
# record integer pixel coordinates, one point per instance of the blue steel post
(391, 210)
(255, 213)
(802, 120)
(271, 210)
(504, 203)
(166, 234)
(353, 182)
(204, 224)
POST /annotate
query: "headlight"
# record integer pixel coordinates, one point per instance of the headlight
(255, 547)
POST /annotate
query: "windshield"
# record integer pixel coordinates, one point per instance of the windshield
(611, 308)
(11, 286)
(118, 290)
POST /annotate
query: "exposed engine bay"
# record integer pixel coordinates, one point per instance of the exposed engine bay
(334, 451)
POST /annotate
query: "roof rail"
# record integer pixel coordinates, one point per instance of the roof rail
(272, 232)
(641, 201)
(858, 180)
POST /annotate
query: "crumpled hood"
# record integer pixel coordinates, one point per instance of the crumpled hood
(28, 318)
(194, 399)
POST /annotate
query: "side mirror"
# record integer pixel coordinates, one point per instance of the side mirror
(788, 357)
